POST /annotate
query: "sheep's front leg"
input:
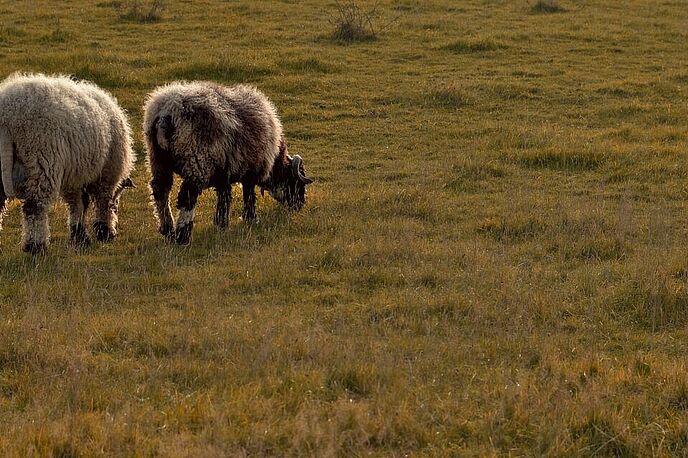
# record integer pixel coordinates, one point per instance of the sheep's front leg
(161, 185)
(105, 224)
(186, 202)
(249, 213)
(224, 201)
(35, 230)
(77, 204)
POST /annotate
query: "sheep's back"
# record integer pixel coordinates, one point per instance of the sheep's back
(232, 128)
(259, 130)
(120, 143)
(56, 125)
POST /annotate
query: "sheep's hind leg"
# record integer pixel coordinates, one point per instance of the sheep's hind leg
(224, 201)
(161, 185)
(77, 201)
(36, 232)
(249, 213)
(186, 202)
(105, 224)
(3, 204)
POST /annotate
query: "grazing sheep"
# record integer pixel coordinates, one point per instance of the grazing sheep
(213, 136)
(62, 137)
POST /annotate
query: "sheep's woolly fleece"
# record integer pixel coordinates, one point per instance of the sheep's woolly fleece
(216, 128)
(66, 134)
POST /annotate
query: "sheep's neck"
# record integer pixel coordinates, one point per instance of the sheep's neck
(280, 168)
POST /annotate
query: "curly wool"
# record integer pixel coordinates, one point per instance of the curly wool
(65, 134)
(60, 136)
(234, 129)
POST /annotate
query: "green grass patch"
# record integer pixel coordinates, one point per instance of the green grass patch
(470, 175)
(593, 248)
(56, 36)
(308, 65)
(10, 33)
(563, 160)
(515, 228)
(450, 97)
(653, 301)
(498, 222)
(630, 111)
(546, 7)
(138, 11)
(219, 71)
(475, 45)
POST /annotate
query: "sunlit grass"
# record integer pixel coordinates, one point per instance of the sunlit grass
(491, 260)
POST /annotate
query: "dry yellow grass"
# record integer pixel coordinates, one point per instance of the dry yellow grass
(492, 261)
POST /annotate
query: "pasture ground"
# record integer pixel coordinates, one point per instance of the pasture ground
(492, 261)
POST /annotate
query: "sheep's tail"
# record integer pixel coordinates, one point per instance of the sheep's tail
(7, 161)
(162, 131)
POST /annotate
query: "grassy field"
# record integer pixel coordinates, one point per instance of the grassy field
(492, 261)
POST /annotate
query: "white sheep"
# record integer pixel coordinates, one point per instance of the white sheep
(214, 136)
(62, 137)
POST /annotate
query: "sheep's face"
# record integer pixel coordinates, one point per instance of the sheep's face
(290, 194)
(291, 189)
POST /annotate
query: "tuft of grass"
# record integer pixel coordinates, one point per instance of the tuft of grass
(350, 382)
(680, 77)
(308, 65)
(474, 45)
(642, 368)
(470, 174)
(616, 89)
(561, 159)
(514, 91)
(598, 248)
(9, 33)
(516, 228)
(450, 97)
(136, 11)
(629, 111)
(57, 35)
(679, 398)
(353, 24)
(546, 7)
(652, 300)
(329, 260)
(597, 436)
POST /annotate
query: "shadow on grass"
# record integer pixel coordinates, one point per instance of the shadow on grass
(149, 256)
(209, 244)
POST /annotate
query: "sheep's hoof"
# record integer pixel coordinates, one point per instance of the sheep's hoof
(183, 236)
(167, 231)
(78, 236)
(35, 248)
(249, 218)
(221, 223)
(103, 232)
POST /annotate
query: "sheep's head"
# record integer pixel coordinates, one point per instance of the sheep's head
(289, 188)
